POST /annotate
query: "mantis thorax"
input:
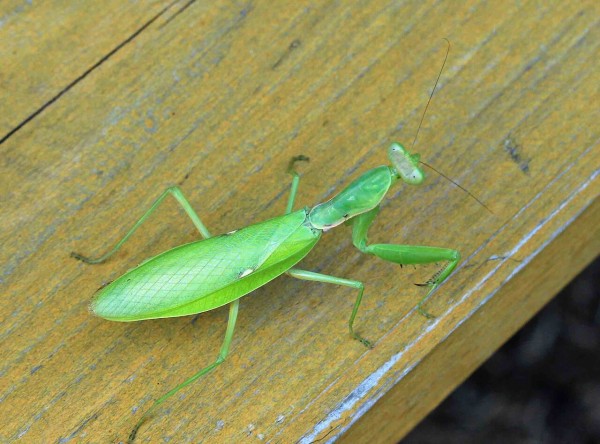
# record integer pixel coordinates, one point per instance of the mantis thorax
(366, 192)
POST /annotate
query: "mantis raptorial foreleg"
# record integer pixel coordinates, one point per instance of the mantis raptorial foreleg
(405, 254)
(318, 277)
(176, 192)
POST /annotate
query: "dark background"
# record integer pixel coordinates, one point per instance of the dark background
(542, 386)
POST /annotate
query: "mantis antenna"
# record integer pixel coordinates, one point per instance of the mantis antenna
(421, 123)
(431, 95)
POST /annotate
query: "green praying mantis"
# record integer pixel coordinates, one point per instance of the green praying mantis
(219, 270)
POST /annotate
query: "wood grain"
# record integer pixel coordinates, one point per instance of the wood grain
(105, 107)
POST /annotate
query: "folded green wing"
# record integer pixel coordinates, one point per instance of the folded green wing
(206, 274)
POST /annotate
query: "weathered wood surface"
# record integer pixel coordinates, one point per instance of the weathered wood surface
(103, 107)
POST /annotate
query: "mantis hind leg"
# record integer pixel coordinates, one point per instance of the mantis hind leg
(318, 277)
(406, 254)
(178, 195)
(233, 312)
(295, 181)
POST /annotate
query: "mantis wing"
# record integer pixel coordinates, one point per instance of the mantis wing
(206, 274)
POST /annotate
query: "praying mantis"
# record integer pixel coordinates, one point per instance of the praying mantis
(219, 270)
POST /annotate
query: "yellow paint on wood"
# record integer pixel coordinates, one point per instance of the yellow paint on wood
(105, 107)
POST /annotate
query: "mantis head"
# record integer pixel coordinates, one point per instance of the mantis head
(405, 164)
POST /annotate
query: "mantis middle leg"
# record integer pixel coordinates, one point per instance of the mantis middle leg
(295, 182)
(318, 277)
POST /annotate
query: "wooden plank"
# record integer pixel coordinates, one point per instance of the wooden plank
(480, 334)
(217, 98)
(48, 48)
